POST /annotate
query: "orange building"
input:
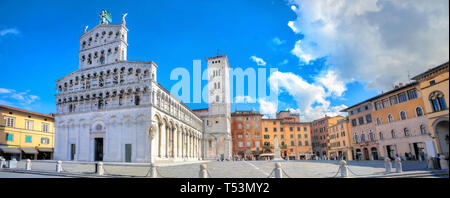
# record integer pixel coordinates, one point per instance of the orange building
(434, 88)
(246, 134)
(319, 131)
(340, 140)
(294, 136)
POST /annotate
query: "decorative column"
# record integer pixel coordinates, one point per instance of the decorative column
(159, 138)
(166, 154)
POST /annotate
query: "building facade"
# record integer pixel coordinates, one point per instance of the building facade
(246, 134)
(362, 127)
(340, 140)
(217, 118)
(319, 131)
(401, 124)
(25, 134)
(434, 88)
(112, 109)
(293, 136)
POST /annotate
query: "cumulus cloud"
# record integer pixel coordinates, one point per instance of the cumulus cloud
(245, 99)
(330, 80)
(8, 31)
(311, 98)
(278, 41)
(267, 108)
(373, 41)
(284, 62)
(12, 97)
(258, 61)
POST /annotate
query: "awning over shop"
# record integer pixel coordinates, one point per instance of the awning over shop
(7, 149)
(49, 150)
(29, 150)
(266, 154)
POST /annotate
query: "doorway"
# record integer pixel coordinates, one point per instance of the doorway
(366, 154)
(390, 151)
(374, 153)
(72, 152)
(127, 152)
(98, 153)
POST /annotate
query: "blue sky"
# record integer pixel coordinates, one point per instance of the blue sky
(39, 42)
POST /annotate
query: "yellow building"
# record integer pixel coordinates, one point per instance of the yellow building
(434, 87)
(293, 136)
(25, 134)
(319, 132)
(401, 124)
(340, 140)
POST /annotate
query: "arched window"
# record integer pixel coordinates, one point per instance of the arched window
(98, 127)
(419, 111)
(403, 115)
(393, 134)
(378, 121)
(406, 131)
(217, 98)
(390, 118)
(423, 130)
(381, 135)
(437, 101)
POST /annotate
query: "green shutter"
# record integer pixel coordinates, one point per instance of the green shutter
(9, 137)
(28, 139)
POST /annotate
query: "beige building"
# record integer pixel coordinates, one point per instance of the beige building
(434, 87)
(362, 127)
(401, 124)
(340, 140)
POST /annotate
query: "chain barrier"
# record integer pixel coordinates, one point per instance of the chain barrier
(159, 174)
(209, 174)
(270, 176)
(337, 172)
(353, 172)
(285, 173)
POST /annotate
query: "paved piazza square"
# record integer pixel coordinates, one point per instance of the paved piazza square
(228, 169)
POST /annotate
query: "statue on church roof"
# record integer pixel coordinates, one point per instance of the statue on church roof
(105, 17)
(123, 18)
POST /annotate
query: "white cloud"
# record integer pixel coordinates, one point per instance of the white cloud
(284, 62)
(311, 98)
(330, 80)
(8, 31)
(3, 91)
(278, 41)
(268, 108)
(293, 7)
(258, 61)
(298, 51)
(373, 41)
(12, 97)
(245, 99)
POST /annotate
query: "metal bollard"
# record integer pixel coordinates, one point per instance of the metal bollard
(28, 165)
(59, 166)
(100, 170)
(388, 165)
(277, 171)
(430, 163)
(398, 165)
(3, 163)
(203, 172)
(344, 169)
(443, 162)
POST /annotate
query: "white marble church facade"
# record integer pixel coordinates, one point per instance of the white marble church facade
(114, 110)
